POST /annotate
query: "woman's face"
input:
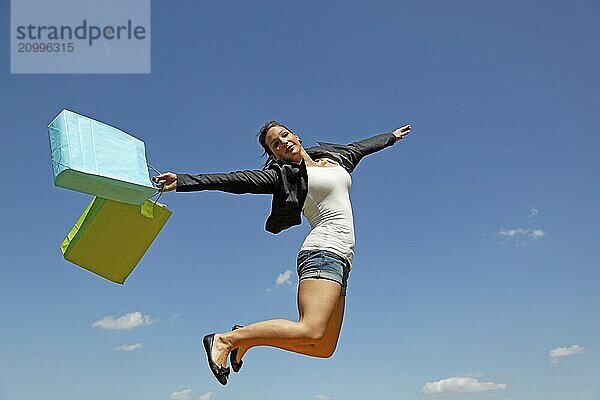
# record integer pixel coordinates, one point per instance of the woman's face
(284, 144)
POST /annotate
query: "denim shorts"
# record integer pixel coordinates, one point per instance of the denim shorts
(323, 264)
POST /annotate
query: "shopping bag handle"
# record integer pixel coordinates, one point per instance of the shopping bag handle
(151, 167)
(147, 209)
(158, 191)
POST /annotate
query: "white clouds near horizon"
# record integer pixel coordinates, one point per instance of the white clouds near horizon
(186, 394)
(520, 236)
(516, 232)
(128, 347)
(124, 322)
(561, 352)
(460, 384)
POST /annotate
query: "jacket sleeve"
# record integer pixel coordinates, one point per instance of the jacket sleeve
(354, 152)
(238, 182)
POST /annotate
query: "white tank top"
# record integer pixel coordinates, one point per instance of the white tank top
(329, 212)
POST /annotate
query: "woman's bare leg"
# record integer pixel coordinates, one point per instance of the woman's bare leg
(326, 346)
(317, 300)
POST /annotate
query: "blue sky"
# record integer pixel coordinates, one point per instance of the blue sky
(476, 237)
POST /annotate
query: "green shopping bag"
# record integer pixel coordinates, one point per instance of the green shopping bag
(110, 238)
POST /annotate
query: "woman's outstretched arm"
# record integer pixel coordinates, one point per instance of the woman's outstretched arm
(361, 148)
(355, 151)
(238, 182)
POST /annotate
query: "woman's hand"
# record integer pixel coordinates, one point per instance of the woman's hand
(400, 133)
(165, 182)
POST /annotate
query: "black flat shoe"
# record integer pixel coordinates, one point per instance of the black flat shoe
(236, 366)
(221, 373)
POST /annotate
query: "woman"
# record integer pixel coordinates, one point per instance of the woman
(316, 182)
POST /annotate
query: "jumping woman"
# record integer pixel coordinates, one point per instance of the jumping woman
(314, 181)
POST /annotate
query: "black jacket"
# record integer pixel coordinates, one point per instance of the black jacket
(288, 182)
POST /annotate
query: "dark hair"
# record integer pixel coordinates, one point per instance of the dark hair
(262, 139)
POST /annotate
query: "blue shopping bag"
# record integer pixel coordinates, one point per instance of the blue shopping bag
(92, 157)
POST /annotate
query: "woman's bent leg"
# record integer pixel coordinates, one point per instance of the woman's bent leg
(317, 300)
(326, 346)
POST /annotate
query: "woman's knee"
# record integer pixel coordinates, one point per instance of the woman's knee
(324, 350)
(313, 333)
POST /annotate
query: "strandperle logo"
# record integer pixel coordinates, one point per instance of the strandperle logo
(85, 31)
(83, 36)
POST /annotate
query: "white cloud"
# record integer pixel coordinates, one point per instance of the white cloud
(533, 212)
(560, 352)
(520, 232)
(460, 384)
(206, 396)
(186, 394)
(536, 233)
(512, 232)
(284, 279)
(322, 397)
(128, 347)
(124, 322)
